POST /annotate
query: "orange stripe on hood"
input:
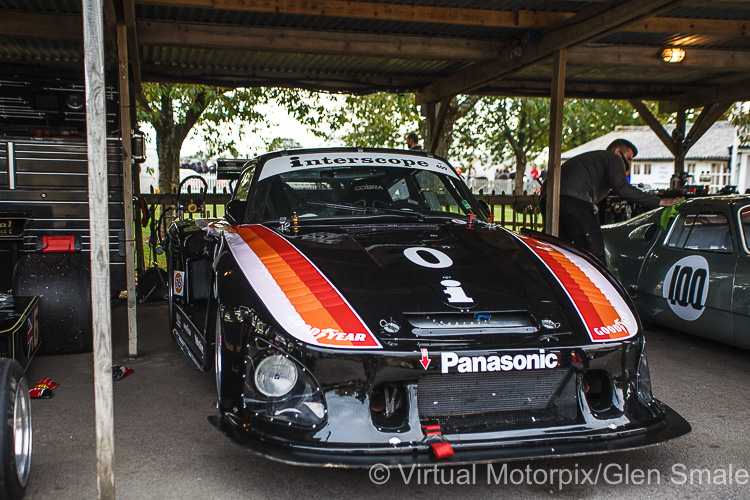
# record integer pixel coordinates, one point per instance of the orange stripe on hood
(329, 319)
(604, 312)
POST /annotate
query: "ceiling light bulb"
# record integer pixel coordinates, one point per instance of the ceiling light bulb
(673, 55)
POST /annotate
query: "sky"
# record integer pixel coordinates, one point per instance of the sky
(282, 125)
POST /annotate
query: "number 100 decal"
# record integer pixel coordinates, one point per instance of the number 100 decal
(686, 287)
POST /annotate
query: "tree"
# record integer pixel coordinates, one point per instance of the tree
(375, 120)
(279, 143)
(382, 120)
(459, 107)
(587, 119)
(499, 127)
(174, 110)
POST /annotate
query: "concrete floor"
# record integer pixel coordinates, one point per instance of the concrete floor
(166, 449)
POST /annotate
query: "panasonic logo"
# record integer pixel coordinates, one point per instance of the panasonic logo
(504, 363)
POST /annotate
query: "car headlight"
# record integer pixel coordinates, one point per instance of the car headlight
(275, 376)
(645, 393)
(279, 389)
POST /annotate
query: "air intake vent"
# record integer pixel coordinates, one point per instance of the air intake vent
(474, 323)
(476, 402)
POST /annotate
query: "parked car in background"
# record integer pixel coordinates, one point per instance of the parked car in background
(357, 308)
(688, 268)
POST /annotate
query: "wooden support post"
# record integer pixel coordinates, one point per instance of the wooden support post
(678, 136)
(127, 184)
(96, 126)
(552, 215)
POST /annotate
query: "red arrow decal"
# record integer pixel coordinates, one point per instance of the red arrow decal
(425, 359)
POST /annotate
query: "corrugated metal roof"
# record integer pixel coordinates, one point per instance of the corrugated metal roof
(184, 60)
(715, 144)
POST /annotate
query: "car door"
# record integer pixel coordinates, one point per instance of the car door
(689, 276)
(741, 298)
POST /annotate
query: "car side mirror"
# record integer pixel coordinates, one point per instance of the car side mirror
(235, 211)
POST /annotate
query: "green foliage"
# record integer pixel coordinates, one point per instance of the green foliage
(740, 118)
(308, 108)
(500, 127)
(375, 120)
(279, 143)
(175, 110)
(587, 119)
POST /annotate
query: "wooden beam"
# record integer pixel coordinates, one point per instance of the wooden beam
(376, 11)
(405, 47)
(127, 181)
(554, 162)
(134, 55)
(582, 28)
(60, 26)
(435, 126)
(223, 37)
(110, 18)
(96, 144)
(208, 36)
(705, 120)
(640, 56)
(522, 19)
(251, 77)
(585, 90)
(653, 123)
(678, 136)
(737, 91)
(213, 36)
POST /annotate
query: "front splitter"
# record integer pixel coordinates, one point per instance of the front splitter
(672, 426)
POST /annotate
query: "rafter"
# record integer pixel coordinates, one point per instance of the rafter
(584, 27)
(134, 54)
(526, 19)
(235, 77)
(314, 42)
(736, 91)
(223, 37)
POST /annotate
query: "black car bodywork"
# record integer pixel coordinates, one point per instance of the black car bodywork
(359, 308)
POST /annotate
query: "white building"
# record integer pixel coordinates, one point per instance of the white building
(715, 160)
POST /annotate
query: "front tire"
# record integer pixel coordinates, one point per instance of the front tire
(16, 436)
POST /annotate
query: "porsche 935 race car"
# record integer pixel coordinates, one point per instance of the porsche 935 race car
(688, 268)
(359, 307)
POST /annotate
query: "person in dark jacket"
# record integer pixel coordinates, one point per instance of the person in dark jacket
(587, 179)
(412, 142)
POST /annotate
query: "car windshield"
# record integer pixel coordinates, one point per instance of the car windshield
(398, 187)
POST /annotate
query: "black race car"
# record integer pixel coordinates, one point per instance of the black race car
(359, 307)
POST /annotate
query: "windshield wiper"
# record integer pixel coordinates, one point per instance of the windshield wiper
(405, 212)
(342, 206)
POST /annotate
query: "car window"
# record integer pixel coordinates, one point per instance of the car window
(328, 191)
(705, 232)
(437, 195)
(243, 186)
(745, 223)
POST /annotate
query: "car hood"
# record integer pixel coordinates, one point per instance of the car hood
(410, 285)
